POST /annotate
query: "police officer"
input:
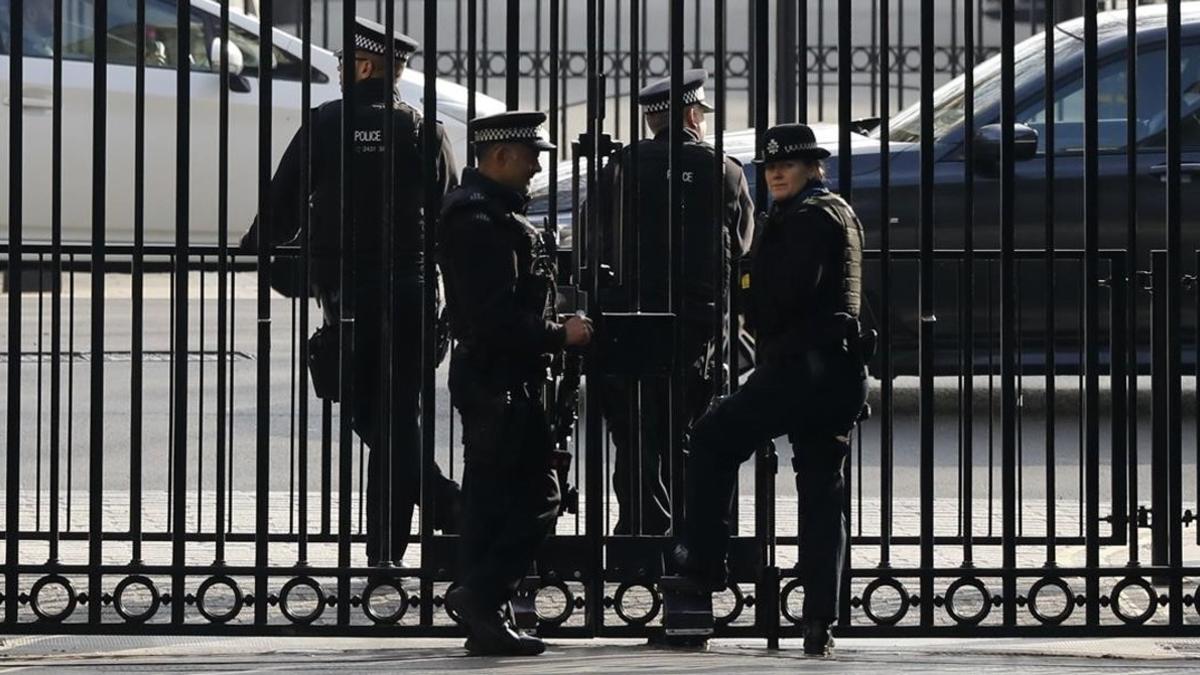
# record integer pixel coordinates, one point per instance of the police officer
(377, 114)
(500, 296)
(638, 215)
(810, 381)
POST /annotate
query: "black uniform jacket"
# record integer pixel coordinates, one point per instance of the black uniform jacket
(374, 99)
(807, 268)
(499, 291)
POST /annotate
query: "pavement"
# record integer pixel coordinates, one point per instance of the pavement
(59, 654)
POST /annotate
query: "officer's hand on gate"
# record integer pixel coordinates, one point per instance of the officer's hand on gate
(579, 331)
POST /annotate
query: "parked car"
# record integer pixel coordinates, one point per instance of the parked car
(1029, 214)
(160, 106)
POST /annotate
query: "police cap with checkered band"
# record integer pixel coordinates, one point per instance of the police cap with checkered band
(790, 141)
(371, 37)
(656, 96)
(514, 126)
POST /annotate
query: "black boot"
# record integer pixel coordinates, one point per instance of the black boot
(488, 634)
(818, 641)
(447, 508)
(709, 575)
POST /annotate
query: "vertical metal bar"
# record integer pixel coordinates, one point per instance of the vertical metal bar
(305, 265)
(56, 271)
(386, 390)
(1174, 310)
(555, 47)
(346, 325)
(845, 188)
(1048, 292)
(223, 283)
(821, 68)
(472, 69)
(537, 54)
(433, 207)
(12, 506)
(675, 239)
(179, 393)
(786, 71)
(512, 55)
(1008, 314)
(802, 55)
(138, 287)
(266, 222)
(487, 56)
(887, 414)
(967, 292)
(594, 432)
(903, 60)
(1131, 246)
(96, 415)
(1091, 333)
(926, 344)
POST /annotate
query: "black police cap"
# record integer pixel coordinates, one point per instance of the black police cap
(514, 126)
(656, 96)
(371, 37)
(791, 141)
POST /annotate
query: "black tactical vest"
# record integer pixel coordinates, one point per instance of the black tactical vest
(843, 292)
(650, 213)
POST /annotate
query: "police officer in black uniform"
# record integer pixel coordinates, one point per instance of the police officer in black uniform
(500, 296)
(810, 382)
(377, 114)
(636, 226)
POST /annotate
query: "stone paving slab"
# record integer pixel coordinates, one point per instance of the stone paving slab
(344, 655)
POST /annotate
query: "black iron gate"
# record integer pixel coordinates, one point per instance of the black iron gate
(1024, 471)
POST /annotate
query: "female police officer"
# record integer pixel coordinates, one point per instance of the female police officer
(810, 382)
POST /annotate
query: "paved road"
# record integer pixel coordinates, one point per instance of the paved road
(854, 656)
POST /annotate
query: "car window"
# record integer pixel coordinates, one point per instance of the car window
(284, 66)
(79, 32)
(1111, 112)
(1156, 123)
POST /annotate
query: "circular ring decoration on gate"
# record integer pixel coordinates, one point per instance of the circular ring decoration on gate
(1121, 587)
(785, 595)
(984, 596)
(285, 604)
(1068, 600)
(396, 614)
(869, 592)
(568, 604)
(202, 599)
(41, 585)
(619, 602)
(739, 602)
(133, 582)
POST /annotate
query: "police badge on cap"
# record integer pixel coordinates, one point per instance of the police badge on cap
(514, 126)
(656, 96)
(791, 141)
(371, 37)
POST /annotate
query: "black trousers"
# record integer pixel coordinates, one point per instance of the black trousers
(400, 483)
(510, 492)
(641, 479)
(814, 399)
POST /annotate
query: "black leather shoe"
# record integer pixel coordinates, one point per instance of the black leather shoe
(818, 641)
(489, 635)
(528, 645)
(708, 575)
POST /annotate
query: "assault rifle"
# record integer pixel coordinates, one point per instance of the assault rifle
(564, 408)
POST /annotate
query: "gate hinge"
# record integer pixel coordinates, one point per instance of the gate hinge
(1143, 518)
(1188, 518)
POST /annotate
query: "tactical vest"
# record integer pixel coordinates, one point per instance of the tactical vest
(650, 210)
(371, 217)
(535, 288)
(844, 292)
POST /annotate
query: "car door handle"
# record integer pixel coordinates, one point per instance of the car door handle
(40, 99)
(1186, 170)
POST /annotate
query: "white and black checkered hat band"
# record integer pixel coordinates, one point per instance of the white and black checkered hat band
(689, 97)
(510, 134)
(794, 147)
(369, 44)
